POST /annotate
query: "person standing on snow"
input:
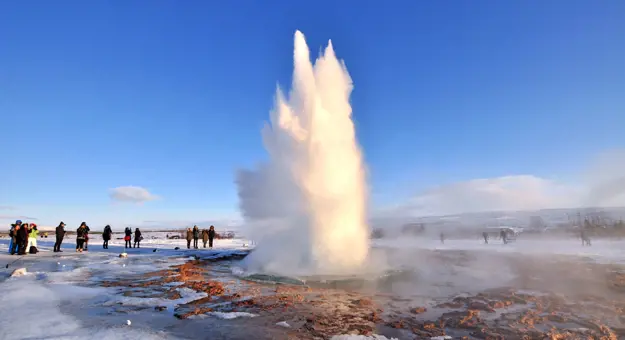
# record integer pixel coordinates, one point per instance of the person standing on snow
(211, 236)
(81, 232)
(585, 238)
(196, 236)
(87, 230)
(189, 237)
(106, 235)
(138, 237)
(128, 237)
(60, 234)
(13, 233)
(22, 239)
(32, 238)
(204, 237)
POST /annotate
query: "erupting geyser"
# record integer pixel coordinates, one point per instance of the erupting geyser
(309, 201)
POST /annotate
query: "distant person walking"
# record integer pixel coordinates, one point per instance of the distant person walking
(60, 234)
(211, 236)
(81, 232)
(189, 237)
(106, 236)
(127, 237)
(504, 236)
(585, 238)
(442, 238)
(204, 237)
(138, 238)
(196, 236)
(32, 239)
(485, 236)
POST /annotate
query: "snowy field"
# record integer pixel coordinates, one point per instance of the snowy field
(58, 298)
(50, 284)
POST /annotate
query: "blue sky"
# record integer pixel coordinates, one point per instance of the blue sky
(170, 96)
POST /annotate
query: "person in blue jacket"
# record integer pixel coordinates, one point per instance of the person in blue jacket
(12, 234)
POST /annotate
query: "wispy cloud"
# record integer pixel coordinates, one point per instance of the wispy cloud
(507, 193)
(17, 217)
(7, 207)
(603, 185)
(132, 194)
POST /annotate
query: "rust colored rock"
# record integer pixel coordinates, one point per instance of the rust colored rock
(419, 310)
(363, 302)
(397, 324)
(480, 306)
(497, 304)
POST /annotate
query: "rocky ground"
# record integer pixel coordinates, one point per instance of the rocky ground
(555, 298)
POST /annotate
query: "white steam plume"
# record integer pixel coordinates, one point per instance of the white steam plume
(309, 201)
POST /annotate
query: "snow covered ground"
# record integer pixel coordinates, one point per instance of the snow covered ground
(33, 306)
(53, 295)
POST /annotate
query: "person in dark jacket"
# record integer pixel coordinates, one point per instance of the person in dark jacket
(504, 236)
(128, 237)
(22, 238)
(87, 230)
(13, 247)
(106, 235)
(196, 236)
(81, 232)
(485, 236)
(138, 237)
(189, 237)
(60, 234)
(211, 236)
(204, 237)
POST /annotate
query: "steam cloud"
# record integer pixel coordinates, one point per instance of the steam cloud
(309, 201)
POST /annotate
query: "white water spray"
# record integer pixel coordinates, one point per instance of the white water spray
(309, 202)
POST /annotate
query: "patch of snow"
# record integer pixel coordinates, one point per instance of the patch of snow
(26, 299)
(361, 337)
(232, 315)
(187, 295)
(283, 324)
(441, 337)
(19, 272)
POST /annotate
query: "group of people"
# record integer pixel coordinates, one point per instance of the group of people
(23, 238)
(503, 235)
(82, 237)
(194, 235)
(128, 238)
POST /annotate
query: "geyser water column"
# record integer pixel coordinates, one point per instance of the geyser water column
(309, 201)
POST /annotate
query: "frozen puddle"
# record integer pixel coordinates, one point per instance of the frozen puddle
(225, 315)
(27, 300)
(187, 295)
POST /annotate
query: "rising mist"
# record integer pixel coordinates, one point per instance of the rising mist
(308, 202)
